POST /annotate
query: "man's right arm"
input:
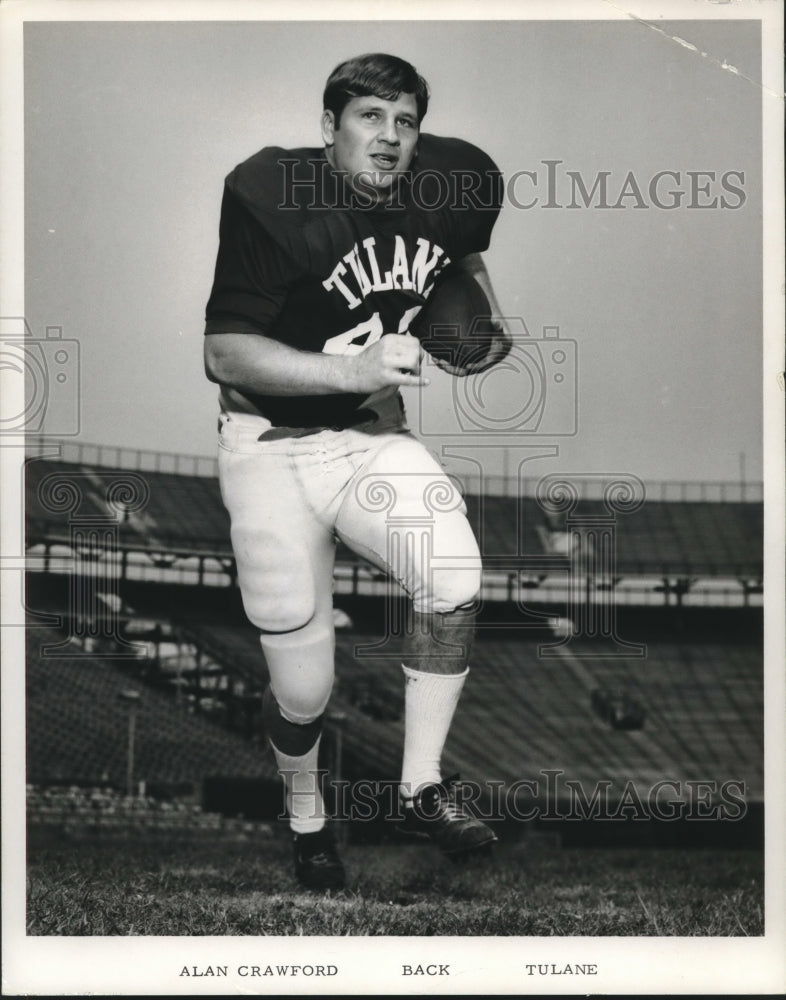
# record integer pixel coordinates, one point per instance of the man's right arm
(253, 363)
(252, 280)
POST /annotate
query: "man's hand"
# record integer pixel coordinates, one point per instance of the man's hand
(394, 359)
(476, 354)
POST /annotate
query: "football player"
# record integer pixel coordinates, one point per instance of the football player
(326, 256)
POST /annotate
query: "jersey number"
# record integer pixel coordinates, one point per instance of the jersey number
(365, 334)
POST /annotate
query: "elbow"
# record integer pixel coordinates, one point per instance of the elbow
(503, 342)
(505, 337)
(498, 348)
(213, 361)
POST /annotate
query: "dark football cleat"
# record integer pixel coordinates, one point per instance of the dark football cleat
(438, 813)
(317, 864)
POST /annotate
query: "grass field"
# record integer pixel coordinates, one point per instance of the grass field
(529, 888)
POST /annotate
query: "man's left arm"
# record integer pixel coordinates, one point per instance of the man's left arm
(496, 337)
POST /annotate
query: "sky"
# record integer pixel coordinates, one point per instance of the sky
(130, 128)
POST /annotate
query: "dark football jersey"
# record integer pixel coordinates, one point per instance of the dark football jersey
(306, 260)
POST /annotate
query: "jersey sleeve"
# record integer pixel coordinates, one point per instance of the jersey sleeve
(252, 277)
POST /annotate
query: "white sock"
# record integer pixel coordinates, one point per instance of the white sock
(430, 701)
(304, 799)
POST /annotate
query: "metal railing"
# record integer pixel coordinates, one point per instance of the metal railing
(505, 485)
(118, 457)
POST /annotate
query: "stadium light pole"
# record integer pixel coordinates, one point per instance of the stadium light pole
(131, 697)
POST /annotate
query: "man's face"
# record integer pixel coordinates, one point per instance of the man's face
(375, 141)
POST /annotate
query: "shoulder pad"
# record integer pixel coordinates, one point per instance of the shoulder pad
(441, 153)
(280, 180)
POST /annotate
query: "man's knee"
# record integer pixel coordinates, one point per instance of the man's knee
(288, 608)
(450, 590)
(300, 664)
(301, 708)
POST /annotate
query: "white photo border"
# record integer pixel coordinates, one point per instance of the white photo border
(149, 966)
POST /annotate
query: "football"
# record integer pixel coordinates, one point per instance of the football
(455, 325)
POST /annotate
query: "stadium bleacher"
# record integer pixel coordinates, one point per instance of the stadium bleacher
(505, 527)
(50, 505)
(75, 811)
(700, 699)
(524, 712)
(180, 511)
(77, 724)
(689, 538)
(186, 514)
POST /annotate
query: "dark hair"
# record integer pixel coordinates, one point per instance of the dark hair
(377, 75)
